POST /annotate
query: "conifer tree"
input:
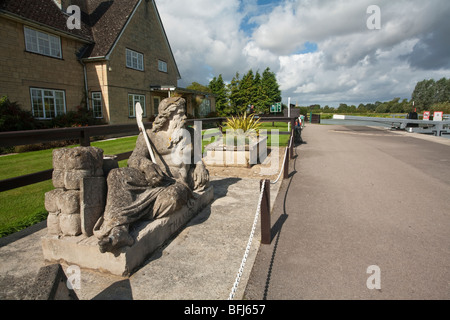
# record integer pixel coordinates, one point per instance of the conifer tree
(217, 86)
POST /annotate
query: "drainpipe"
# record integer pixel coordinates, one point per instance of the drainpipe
(85, 83)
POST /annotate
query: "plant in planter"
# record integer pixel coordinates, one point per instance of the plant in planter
(246, 127)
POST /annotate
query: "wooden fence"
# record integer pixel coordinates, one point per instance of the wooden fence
(83, 135)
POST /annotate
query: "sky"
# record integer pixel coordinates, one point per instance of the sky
(323, 52)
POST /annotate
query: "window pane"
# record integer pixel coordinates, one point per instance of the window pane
(59, 103)
(31, 40)
(129, 62)
(131, 105)
(55, 46)
(205, 108)
(140, 64)
(36, 100)
(156, 106)
(97, 104)
(142, 101)
(44, 43)
(49, 104)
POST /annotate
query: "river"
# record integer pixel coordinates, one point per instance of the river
(361, 123)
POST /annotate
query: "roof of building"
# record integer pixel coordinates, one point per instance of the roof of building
(44, 12)
(106, 19)
(102, 20)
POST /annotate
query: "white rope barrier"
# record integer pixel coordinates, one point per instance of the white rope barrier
(252, 234)
(249, 244)
(284, 160)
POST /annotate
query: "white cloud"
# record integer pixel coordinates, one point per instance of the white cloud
(351, 64)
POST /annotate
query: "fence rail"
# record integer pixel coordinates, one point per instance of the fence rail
(83, 135)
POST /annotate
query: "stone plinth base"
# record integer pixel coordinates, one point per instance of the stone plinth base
(149, 236)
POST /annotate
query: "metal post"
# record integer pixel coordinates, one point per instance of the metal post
(286, 165)
(289, 114)
(293, 140)
(266, 236)
(85, 139)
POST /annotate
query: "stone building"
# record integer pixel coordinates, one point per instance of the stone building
(118, 55)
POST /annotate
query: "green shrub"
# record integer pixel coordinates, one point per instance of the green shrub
(12, 118)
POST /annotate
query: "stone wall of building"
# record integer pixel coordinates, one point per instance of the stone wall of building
(21, 70)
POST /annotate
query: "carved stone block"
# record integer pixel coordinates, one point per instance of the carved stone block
(93, 195)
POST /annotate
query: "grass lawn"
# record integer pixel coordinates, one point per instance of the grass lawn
(23, 207)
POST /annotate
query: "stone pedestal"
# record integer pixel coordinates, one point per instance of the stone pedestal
(84, 252)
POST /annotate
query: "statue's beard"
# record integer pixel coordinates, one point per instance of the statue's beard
(177, 132)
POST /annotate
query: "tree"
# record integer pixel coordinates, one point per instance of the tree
(234, 94)
(253, 89)
(383, 108)
(271, 88)
(217, 86)
(429, 92)
(248, 91)
(262, 100)
(442, 91)
(195, 86)
(343, 108)
(361, 108)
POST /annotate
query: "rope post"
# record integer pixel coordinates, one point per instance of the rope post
(286, 166)
(266, 236)
(85, 139)
(292, 140)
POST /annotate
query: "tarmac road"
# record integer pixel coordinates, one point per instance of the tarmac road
(360, 197)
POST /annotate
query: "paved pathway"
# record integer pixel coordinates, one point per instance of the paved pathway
(360, 197)
(201, 263)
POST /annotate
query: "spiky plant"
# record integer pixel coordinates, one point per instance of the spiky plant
(248, 124)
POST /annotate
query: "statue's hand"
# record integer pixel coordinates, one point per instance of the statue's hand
(154, 175)
(200, 176)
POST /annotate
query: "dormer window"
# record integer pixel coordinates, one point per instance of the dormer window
(42, 43)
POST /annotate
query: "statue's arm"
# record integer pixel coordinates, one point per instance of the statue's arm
(140, 160)
(200, 176)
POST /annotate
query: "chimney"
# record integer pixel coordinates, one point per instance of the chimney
(83, 4)
(64, 4)
(58, 3)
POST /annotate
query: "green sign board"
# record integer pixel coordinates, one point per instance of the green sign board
(275, 108)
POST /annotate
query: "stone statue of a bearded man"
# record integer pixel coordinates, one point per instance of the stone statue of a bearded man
(148, 191)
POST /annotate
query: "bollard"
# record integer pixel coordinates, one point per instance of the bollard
(266, 236)
(286, 165)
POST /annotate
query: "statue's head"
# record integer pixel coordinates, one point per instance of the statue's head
(172, 114)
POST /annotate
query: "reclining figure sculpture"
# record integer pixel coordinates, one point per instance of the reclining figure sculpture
(148, 191)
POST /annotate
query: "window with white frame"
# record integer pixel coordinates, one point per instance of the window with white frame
(156, 102)
(133, 99)
(97, 105)
(135, 60)
(47, 104)
(162, 66)
(42, 43)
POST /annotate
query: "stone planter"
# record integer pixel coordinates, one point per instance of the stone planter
(236, 151)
